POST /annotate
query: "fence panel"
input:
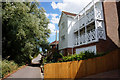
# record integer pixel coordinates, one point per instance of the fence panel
(91, 66)
(82, 68)
(74, 66)
(100, 64)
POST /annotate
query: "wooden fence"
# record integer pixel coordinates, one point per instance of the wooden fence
(82, 68)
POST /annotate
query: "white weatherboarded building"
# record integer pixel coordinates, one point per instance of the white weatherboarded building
(88, 30)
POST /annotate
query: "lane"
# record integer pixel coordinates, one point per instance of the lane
(30, 72)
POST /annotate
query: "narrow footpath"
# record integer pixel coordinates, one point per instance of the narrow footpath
(27, 73)
(32, 72)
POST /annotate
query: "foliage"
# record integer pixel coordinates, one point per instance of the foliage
(81, 56)
(24, 30)
(75, 57)
(56, 56)
(44, 60)
(8, 67)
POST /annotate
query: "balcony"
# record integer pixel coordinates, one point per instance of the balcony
(89, 26)
(86, 38)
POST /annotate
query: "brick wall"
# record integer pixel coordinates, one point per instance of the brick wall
(105, 46)
(111, 26)
(111, 22)
(67, 51)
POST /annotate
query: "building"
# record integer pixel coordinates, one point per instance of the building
(96, 28)
(54, 46)
(53, 50)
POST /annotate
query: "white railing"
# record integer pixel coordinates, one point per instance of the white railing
(92, 13)
(76, 41)
(85, 20)
(85, 9)
(86, 38)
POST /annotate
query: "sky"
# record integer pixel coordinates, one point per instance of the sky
(54, 8)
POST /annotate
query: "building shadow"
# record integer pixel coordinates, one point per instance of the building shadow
(118, 10)
(34, 65)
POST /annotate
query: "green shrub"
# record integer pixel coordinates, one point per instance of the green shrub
(81, 56)
(53, 58)
(8, 67)
(56, 56)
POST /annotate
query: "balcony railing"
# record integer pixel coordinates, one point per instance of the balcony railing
(91, 15)
(85, 19)
(86, 38)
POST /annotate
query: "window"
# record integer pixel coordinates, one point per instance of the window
(63, 37)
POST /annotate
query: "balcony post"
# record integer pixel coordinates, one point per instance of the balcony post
(78, 36)
(85, 27)
(95, 21)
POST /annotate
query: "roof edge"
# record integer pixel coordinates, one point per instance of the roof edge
(67, 13)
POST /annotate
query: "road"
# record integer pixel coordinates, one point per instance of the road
(27, 73)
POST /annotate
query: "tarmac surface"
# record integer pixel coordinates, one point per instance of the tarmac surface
(31, 72)
(114, 74)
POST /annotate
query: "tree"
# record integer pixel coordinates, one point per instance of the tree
(24, 30)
